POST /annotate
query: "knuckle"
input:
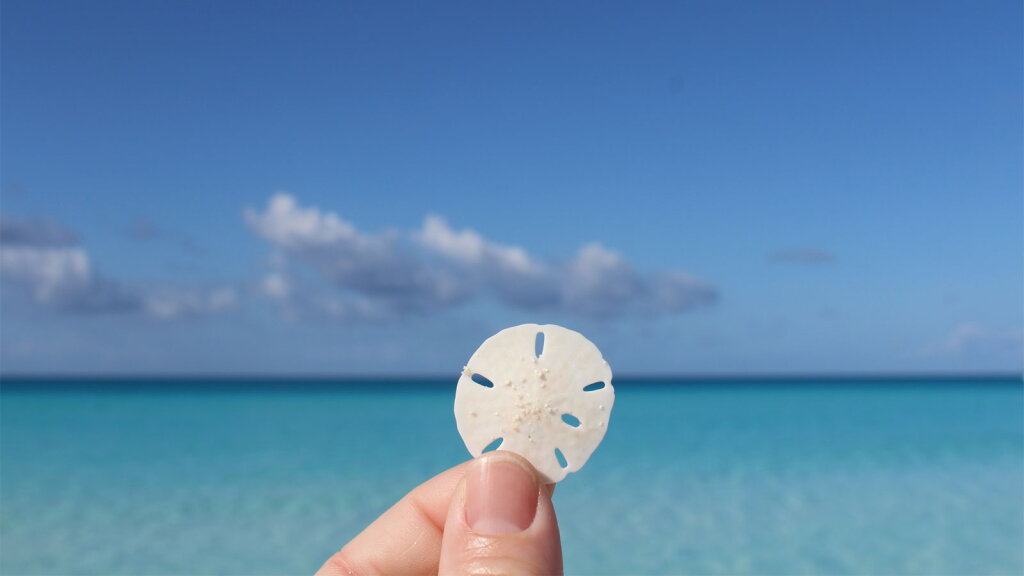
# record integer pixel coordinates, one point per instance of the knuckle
(485, 557)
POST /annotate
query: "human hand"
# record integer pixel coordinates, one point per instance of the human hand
(491, 515)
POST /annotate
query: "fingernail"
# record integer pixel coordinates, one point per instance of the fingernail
(501, 497)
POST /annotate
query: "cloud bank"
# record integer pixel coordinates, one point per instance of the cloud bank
(436, 267)
(322, 265)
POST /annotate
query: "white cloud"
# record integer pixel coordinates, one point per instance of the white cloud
(469, 247)
(376, 267)
(378, 276)
(48, 271)
(42, 258)
(61, 277)
(601, 282)
(287, 225)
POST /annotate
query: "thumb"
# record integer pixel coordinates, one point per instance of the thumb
(501, 521)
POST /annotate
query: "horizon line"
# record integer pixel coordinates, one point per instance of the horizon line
(646, 377)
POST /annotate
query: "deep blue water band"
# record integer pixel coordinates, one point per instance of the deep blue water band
(127, 384)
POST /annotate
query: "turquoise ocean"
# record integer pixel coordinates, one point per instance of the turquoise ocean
(770, 476)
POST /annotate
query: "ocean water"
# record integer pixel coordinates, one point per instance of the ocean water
(775, 477)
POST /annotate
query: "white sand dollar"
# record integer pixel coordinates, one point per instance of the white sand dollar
(551, 408)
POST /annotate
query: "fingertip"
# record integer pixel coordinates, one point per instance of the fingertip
(501, 496)
(501, 520)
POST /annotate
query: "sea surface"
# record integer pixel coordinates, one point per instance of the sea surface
(699, 477)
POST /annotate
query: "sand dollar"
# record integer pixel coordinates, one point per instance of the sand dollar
(541, 391)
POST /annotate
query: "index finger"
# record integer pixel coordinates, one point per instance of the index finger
(406, 539)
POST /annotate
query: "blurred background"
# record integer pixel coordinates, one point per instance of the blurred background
(246, 247)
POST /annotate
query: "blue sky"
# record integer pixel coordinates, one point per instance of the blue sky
(343, 188)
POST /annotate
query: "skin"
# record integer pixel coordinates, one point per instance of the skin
(479, 517)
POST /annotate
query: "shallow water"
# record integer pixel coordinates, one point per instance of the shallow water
(837, 477)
